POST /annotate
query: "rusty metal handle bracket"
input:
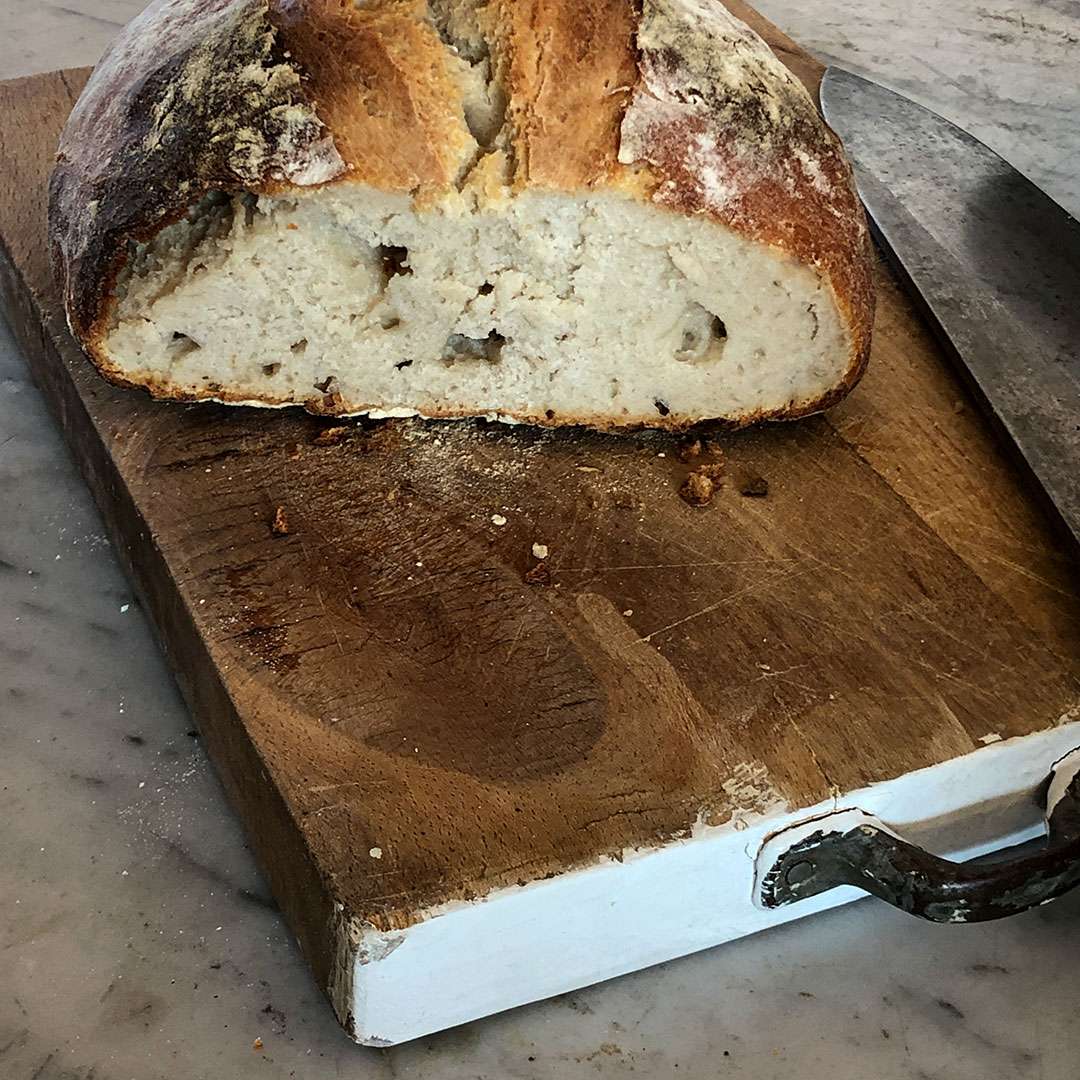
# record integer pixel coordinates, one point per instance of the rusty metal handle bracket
(871, 857)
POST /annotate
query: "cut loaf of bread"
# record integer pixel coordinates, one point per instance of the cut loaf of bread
(549, 211)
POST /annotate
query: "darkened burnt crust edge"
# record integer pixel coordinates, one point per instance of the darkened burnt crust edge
(138, 151)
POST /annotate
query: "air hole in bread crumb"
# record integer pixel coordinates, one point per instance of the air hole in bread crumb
(395, 260)
(703, 336)
(404, 364)
(460, 347)
(181, 344)
(270, 370)
(661, 407)
(487, 289)
(389, 322)
(298, 348)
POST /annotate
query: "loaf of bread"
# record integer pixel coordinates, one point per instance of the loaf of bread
(615, 213)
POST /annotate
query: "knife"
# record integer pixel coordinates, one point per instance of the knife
(992, 262)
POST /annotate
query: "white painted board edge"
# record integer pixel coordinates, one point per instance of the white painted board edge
(523, 944)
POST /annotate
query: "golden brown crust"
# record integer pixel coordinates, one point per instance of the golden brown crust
(570, 67)
(677, 103)
(378, 76)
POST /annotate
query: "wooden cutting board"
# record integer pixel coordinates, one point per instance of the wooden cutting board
(406, 725)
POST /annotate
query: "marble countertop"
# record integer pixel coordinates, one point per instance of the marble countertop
(137, 938)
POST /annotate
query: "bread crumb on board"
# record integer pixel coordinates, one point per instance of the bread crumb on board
(697, 489)
(540, 575)
(280, 525)
(540, 551)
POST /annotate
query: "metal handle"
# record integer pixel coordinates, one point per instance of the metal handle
(874, 859)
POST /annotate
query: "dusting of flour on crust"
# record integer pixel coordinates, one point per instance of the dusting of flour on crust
(715, 97)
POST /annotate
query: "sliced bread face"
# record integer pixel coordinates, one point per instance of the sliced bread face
(575, 217)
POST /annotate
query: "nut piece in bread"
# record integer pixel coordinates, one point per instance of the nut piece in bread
(562, 212)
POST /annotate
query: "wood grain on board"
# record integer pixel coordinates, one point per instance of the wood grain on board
(377, 676)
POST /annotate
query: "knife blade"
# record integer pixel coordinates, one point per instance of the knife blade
(992, 261)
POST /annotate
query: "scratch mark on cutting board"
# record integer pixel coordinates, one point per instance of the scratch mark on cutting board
(1023, 571)
(725, 600)
(517, 638)
(728, 563)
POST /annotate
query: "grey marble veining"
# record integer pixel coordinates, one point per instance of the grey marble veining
(1006, 73)
(137, 939)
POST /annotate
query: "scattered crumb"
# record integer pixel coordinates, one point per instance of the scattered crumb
(330, 404)
(697, 490)
(992, 737)
(628, 612)
(280, 524)
(661, 454)
(376, 852)
(498, 520)
(587, 468)
(293, 451)
(540, 574)
(330, 436)
(689, 451)
(257, 1045)
(392, 495)
(124, 608)
(700, 486)
(540, 551)
(757, 487)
